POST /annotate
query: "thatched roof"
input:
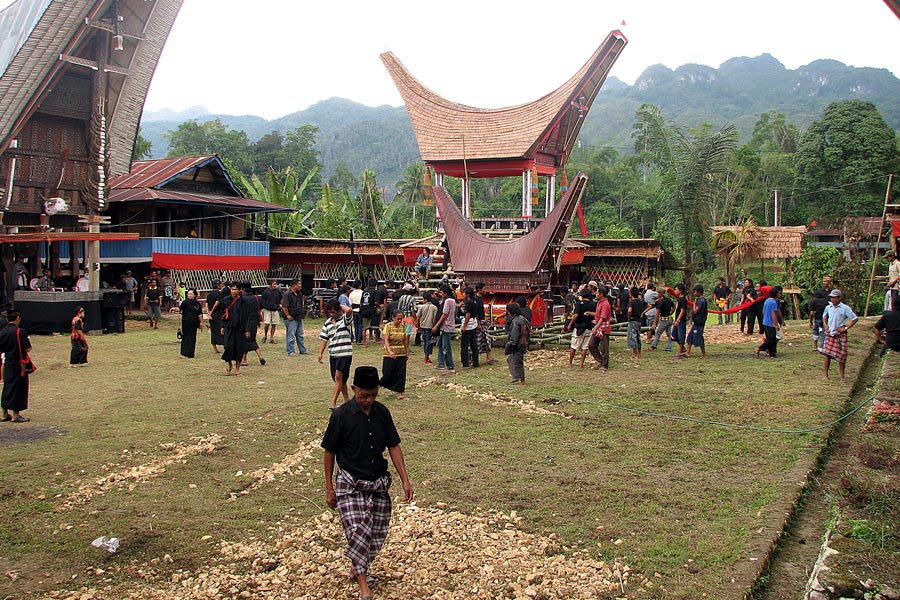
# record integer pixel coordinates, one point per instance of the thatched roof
(36, 35)
(449, 131)
(769, 242)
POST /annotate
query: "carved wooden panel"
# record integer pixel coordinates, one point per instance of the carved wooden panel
(70, 98)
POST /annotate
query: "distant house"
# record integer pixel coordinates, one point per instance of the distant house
(863, 231)
(191, 219)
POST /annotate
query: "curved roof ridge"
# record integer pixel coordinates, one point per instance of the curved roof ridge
(475, 253)
(447, 130)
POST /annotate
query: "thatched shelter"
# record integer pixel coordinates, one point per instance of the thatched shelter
(736, 243)
(762, 243)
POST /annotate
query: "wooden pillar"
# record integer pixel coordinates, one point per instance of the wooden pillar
(73, 259)
(551, 195)
(92, 250)
(438, 181)
(526, 194)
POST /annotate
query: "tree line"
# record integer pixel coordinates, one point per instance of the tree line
(672, 185)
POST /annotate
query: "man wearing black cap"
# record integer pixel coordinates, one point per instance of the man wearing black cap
(357, 435)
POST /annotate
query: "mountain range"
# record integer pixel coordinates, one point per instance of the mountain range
(739, 91)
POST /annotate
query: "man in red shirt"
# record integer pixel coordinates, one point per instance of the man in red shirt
(599, 344)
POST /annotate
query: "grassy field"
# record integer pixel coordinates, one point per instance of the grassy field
(174, 458)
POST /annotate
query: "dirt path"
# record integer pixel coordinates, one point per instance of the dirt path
(790, 567)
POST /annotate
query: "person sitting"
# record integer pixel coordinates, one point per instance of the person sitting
(424, 263)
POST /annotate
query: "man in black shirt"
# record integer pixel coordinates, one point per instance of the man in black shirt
(215, 306)
(679, 325)
(816, 314)
(889, 323)
(580, 325)
(663, 322)
(721, 295)
(270, 300)
(469, 327)
(357, 435)
(382, 296)
(153, 300)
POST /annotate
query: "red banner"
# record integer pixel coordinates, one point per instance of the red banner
(763, 294)
(208, 262)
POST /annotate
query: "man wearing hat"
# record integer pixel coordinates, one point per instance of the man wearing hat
(357, 435)
(893, 285)
(837, 320)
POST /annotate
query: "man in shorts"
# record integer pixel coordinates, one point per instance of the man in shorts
(153, 300)
(337, 338)
(581, 324)
(270, 306)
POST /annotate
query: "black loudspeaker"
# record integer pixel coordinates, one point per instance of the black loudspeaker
(116, 298)
(114, 320)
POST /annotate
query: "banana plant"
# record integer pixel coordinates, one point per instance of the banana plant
(284, 192)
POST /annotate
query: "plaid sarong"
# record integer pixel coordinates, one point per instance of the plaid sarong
(484, 339)
(365, 510)
(836, 347)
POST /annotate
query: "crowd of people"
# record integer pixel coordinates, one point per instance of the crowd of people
(360, 429)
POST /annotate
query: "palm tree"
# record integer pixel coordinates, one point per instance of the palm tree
(410, 189)
(686, 165)
(734, 244)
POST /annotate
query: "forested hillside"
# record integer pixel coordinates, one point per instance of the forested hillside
(738, 92)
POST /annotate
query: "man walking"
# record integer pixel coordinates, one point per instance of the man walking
(358, 433)
(599, 344)
(292, 307)
(700, 312)
(270, 299)
(837, 321)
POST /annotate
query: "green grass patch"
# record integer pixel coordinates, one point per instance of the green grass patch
(683, 498)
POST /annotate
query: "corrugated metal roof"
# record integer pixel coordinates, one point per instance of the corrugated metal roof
(474, 253)
(870, 226)
(157, 173)
(173, 197)
(447, 130)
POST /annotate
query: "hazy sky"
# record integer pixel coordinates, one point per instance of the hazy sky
(274, 57)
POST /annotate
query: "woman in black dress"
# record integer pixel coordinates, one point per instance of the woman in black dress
(233, 330)
(79, 355)
(15, 384)
(215, 306)
(191, 321)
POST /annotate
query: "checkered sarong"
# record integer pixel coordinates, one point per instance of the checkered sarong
(484, 339)
(365, 510)
(836, 347)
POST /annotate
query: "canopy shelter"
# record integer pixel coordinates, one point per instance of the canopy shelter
(530, 140)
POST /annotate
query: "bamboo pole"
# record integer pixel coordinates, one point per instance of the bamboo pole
(887, 199)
